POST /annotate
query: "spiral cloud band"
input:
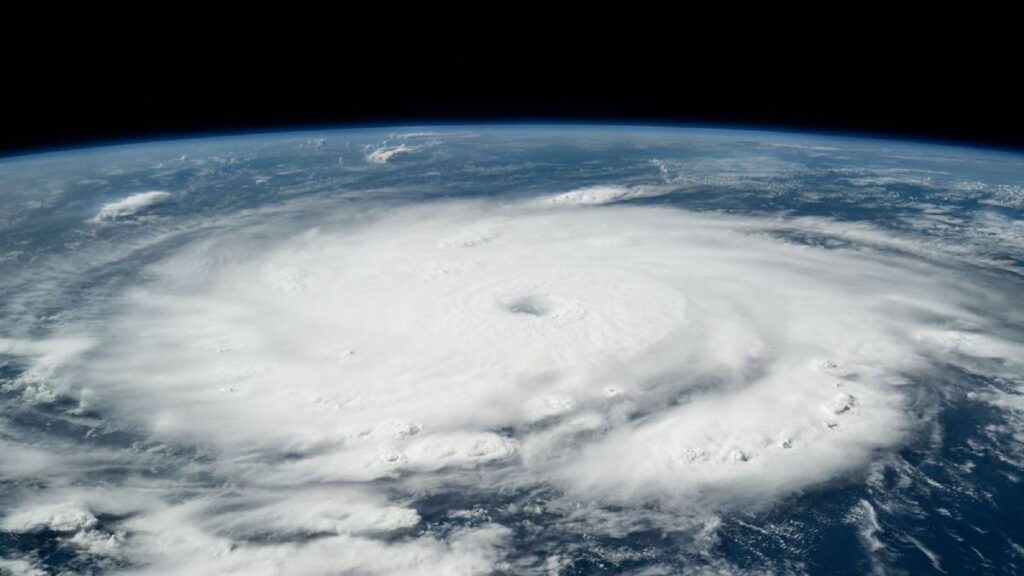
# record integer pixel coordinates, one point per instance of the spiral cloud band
(308, 378)
(696, 350)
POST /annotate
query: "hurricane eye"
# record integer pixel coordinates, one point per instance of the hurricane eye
(530, 306)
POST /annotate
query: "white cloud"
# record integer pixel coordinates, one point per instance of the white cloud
(606, 194)
(41, 382)
(20, 567)
(657, 303)
(173, 540)
(61, 517)
(671, 364)
(130, 206)
(384, 154)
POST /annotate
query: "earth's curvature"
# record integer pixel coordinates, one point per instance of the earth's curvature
(512, 350)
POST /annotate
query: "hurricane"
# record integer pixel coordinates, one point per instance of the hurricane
(512, 351)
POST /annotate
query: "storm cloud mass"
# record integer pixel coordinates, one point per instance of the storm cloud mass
(578, 352)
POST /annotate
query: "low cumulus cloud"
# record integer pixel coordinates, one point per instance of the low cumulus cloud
(647, 365)
(131, 205)
(607, 194)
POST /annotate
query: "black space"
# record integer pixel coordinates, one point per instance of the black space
(100, 91)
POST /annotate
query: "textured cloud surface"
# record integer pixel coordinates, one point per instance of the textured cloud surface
(130, 206)
(304, 380)
(403, 344)
(712, 362)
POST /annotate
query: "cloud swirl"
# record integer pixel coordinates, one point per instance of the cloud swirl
(333, 369)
